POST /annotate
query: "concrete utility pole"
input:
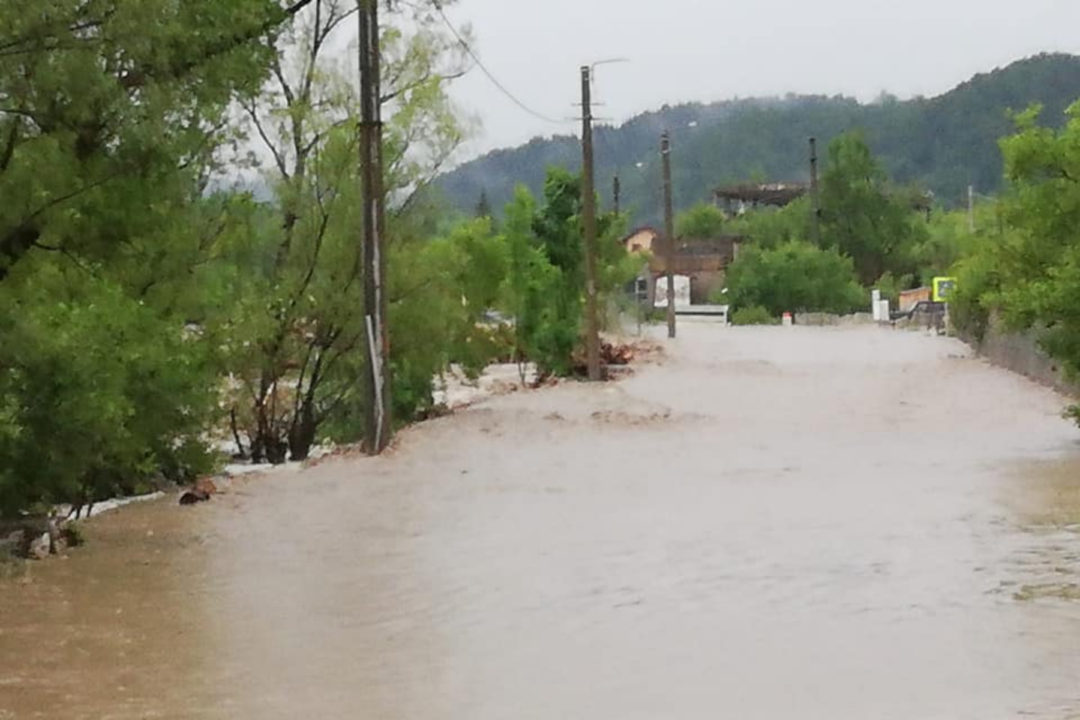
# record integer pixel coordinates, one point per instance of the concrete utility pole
(588, 212)
(669, 232)
(815, 196)
(376, 382)
(616, 192)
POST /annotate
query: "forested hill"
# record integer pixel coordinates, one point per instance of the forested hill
(943, 143)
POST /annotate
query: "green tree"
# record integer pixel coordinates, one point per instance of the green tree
(110, 124)
(557, 228)
(111, 110)
(530, 281)
(944, 143)
(441, 292)
(302, 321)
(703, 220)
(794, 277)
(101, 395)
(949, 239)
(770, 228)
(752, 315)
(545, 284)
(1031, 275)
(860, 215)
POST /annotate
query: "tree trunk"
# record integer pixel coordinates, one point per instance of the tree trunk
(302, 434)
(266, 446)
(240, 452)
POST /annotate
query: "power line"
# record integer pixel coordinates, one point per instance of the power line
(490, 76)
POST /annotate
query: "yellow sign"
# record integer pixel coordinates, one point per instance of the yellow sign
(943, 288)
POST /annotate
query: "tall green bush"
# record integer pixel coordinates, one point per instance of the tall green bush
(100, 395)
(794, 277)
(863, 216)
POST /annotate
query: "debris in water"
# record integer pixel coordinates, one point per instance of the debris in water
(203, 489)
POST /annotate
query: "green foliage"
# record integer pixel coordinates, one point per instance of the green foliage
(770, 228)
(112, 117)
(142, 305)
(943, 143)
(978, 280)
(100, 393)
(947, 240)
(556, 229)
(862, 216)
(544, 290)
(1022, 265)
(112, 111)
(616, 268)
(1036, 266)
(73, 534)
(753, 315)
(951, 248)
(891, 286)
(531, 284)
(794, 277)
(703, 220)
(440, 292)
(297, 336)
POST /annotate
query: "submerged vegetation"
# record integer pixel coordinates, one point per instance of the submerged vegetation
(154, 308)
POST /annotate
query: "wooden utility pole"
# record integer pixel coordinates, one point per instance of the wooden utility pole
(616, 192)
(376, 382)
(815, 196)
(971, 209)
(669, 232)
(588, 212)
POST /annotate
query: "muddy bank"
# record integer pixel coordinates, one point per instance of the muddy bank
(769, 521)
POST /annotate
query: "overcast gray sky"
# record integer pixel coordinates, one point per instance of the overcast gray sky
(706, 50)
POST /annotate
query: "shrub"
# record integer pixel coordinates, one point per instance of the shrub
(753, 315)
(98, 395)
(794, 277)
(73, 535)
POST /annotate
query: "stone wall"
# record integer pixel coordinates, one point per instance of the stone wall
(828, 319)
(1020, 352)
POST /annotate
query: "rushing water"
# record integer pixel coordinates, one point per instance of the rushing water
(773, 523)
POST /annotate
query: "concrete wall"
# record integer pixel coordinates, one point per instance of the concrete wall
(828, 319)
(1020, 353)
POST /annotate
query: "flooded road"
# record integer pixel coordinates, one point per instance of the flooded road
(771, 523)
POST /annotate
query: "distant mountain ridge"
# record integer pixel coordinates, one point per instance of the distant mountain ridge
(942, 143)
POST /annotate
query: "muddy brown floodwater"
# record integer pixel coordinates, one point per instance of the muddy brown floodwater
(772, 523)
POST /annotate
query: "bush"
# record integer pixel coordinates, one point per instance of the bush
(863, 215)
(891, 286)
(771, 228)
(99, 394)
(73, 535)
(545, 281)
(703, 220)
(753, 315)
(794, 277)
(978, 279)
